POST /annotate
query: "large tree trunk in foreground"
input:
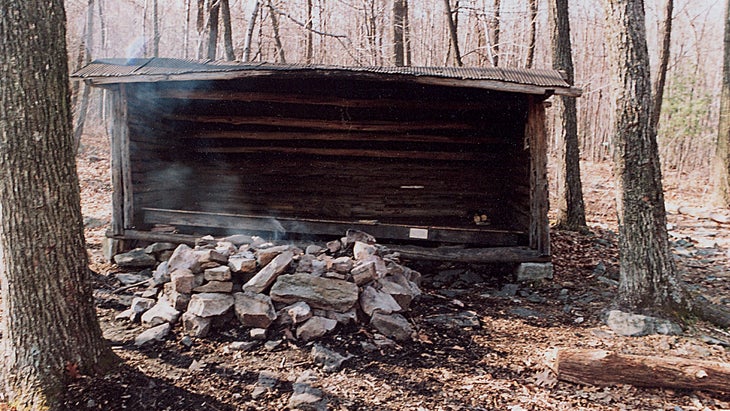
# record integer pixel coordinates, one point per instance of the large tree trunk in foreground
(50, 328)
(649, 280)
(599, 367)
(571, 210)
(721, 173)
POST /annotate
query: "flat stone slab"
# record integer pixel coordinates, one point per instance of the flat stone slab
(153, 334)
(136, 258)
(210, 304)
(372, 300)
(267, 275)
(318, 292)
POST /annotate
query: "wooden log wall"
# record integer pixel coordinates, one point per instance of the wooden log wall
(332, 149)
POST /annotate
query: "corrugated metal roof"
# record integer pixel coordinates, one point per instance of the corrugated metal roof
(109, 71)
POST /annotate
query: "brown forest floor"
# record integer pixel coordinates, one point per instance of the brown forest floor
(499, 365)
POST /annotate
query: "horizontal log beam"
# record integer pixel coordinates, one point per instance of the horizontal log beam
(599, 367)
(319, 124)
(315, 100)
(470, 255)
(329, 227)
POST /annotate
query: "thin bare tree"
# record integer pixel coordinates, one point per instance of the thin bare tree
(227, 30)
(250, 27)
(274, 16)
(453, 32)
(494, 27)
(661, 77)
(529, 61)
(570, 207)
(721, 172)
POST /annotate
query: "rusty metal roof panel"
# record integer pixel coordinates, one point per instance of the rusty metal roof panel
(143, 70)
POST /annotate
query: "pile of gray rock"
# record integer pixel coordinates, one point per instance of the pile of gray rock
(302, 293)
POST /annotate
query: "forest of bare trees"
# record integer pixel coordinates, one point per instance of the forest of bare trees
(425, 33)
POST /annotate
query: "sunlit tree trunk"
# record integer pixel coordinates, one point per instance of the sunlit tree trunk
(494, 31)
(250, 27)
(648, 277)
(529, 61)
(50, 332)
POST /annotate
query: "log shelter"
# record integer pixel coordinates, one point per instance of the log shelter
(416, 155)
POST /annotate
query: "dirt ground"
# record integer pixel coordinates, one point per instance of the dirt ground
(502, 363)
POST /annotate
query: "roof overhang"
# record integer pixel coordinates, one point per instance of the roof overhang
(108, 72)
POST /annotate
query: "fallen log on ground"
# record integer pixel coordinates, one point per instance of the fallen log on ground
(599, 367)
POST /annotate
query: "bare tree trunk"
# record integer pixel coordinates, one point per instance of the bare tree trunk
(102, 24)
(280, 57)
(571, 210)
(84, 59)
(406, 32)
(145, 28)
(186, 30)
(201, 27)
(661, 77)
(50, 329)
(227, 30)
(648, 277)
(531, 36)
(310, 36)
(453, 32)
(398, 36)
(212, 28)
(249, 31)
(494, 31)
(721, 172)
(155, 30)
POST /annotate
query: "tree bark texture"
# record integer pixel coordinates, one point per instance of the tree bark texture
(214, 10)
(249, 31)
(227, 30)
(599, 367)
(274, 16)
(155, 29)
(661, 77)
(529, 61)
(398, 33)
(453, 32)
(570, 207)
(648, 279)
(721, 173)
(494, 31)
(50, 326)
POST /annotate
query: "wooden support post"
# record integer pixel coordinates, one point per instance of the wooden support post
(116, 131)
(536, 138)
(599, 367)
